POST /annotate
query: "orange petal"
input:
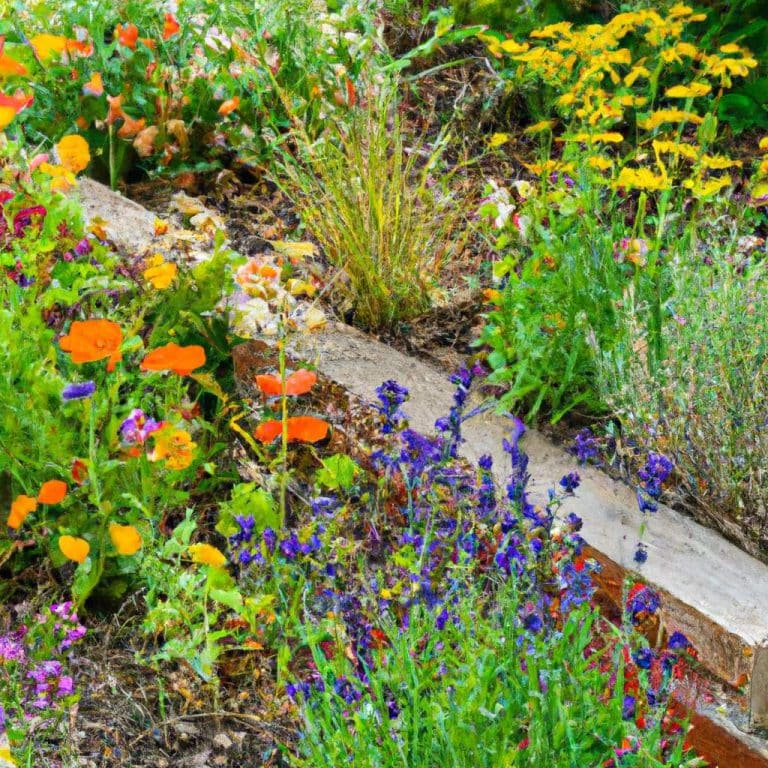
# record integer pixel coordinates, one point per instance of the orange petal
(171, 26)
(267, 431)
(307, 429)
(79, 471)
(269, 384)
(172, 357)
(52, 492)
(74, 548)
(229, 106)
(95, 86)
(126, 538)
(20, 508)
(300, 382)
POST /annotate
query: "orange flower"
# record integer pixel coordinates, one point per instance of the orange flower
(83, 48)
(173, 445)
(92, 340)
(95, 86)
(298, 383)
(205, 554)
(127, 35)
(130, 127)
(301, 429)
(115, 111)
(171, 26)
(20, 508)
(52, 492)
(229, 106)
(9, 66)
(160, 272)
(126, 538)
(74, 153)
(172, 357)
(74, 548)
(10, 106)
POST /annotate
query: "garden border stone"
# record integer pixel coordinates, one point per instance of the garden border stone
(714, 592)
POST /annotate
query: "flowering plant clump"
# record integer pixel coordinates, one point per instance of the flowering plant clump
(37, 683)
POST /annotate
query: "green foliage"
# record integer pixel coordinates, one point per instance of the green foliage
(373, 202)
(480, 692)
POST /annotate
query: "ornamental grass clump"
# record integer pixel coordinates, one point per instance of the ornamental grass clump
(374, 200)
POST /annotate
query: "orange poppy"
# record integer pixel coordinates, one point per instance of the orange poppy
(126, 538)
(301, 429)
(47, 46)
(52, 492)
(21, 507)
(127, 35)
(171, 26)
(83, 48)
(95, 86)
(172, 357)
(74, 548)
(298, 383)
(229, 106)
(92, 340)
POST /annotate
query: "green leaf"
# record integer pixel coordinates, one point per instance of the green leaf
(231, 598)
(338, 472)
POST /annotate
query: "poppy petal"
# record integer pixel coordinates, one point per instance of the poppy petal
(307, 429)
(300, 382)
(52, 492)
(267, 431)
(74, 548)
(269, 384)
(126, 538)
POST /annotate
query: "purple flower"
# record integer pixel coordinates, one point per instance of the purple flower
(78, 390)
(137, 428)
(628, 707)
(570, 482)
(643, 657)
(25, 217)
(641, 553)
(585, 446)
(678, 642)
(391, 396)
(344, 688)
(83, 248)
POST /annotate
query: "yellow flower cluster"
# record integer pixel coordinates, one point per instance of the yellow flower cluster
(605, 90)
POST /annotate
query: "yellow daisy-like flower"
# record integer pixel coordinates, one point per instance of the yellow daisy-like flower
(160, 272)
(763, 145)
(719, 162)
(206, 554)
(642, 178)
(126, 538)
(669, 116)
(688, 91)
(173, 445)
(600, 162)
(498, 140)
(707, 188)
(675, 148)
(611, 137)
(512, 46)
(540, 127)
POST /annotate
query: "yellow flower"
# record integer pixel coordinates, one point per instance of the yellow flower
(61, 179)
(635, 73)
(611, 137)
(74, 548)
(552, 31)
(763, 145)
(498, 140)
(675, 148)
(205, 554)
(688, 91)
(707, 188)
(540, 127)
(718, 162)
(686, 49)
(511, 46)
(600, 162)
(173, 445)
(160, 272)
(669, 116)
(21, 507)
(126, 538)
(642, 178)
(74, 153)
(47, 46)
